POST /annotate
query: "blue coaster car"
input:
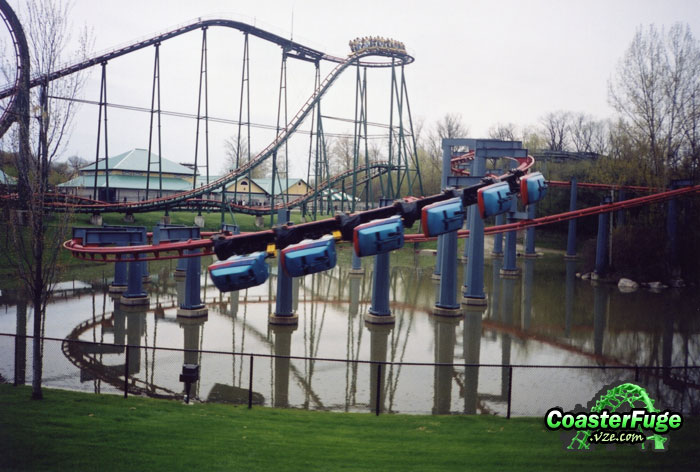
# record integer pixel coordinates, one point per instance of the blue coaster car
(494, 199)
(239, 272)
(532, 188)
(378, 236)
(442, 217)
(308, 257)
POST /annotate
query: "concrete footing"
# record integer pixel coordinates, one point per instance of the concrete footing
(379, 319)
(533, 255)
(436, 276)
(356, 272)
(447, 312)
(166, 220)
(474, 301)
(199, 221)
(117, 288)
(259, 222)
(497, 254)
(96, 220)
(180, 274)
(284, 320)
(195, 313)
(570, 257)
(134, 301)
(129, 218)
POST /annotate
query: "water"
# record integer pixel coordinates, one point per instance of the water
(546, 317)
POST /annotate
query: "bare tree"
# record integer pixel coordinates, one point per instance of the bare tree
(504, 132)
(33, 244)
(556, 130)
(655, 92)
(236, 154)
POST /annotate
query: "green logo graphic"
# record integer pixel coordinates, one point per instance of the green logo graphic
(624, 414)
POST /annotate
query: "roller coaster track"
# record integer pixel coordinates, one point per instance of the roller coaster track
(14, 107)
(291, 48)
(376, 169)
(259, 240)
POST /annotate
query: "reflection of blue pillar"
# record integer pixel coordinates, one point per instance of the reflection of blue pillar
(144, 272)
(495, 295)
(284, 311)
(507, 319)
(600, 304)
(498, 238)
(193, 306)
(601, 250)
(471, 347)
(120, 279)
(354, 296)
(446, 304)
(569, 300)
(379, 336)
(527, 287)
(530, 233)
(445, 341)
(571, 239)
(282, 348)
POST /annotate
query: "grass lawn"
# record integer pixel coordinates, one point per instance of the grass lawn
(78, 431)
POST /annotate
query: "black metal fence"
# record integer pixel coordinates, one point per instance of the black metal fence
(336, 384)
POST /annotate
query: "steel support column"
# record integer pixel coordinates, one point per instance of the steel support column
(571, 238)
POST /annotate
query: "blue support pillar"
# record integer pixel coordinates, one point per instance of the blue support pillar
(181, 269)
(193, 306)
(498, 238)
(446, 304)
(356, 268)
(571, 239)
(620, 217)
(465, 252)
(601, 250)
(379, 311)
(569, 297)
(437, 273)
(119, 284)
(135, 294)
(530, 233)
(284, 302)
(473, 290)
(510, 268)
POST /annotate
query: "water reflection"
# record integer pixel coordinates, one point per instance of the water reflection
(546, 316)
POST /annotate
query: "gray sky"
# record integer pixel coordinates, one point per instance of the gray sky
(490, 61)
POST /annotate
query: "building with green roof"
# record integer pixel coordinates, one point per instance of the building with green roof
(127, 173)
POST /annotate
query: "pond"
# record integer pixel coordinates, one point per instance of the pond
(545, 339)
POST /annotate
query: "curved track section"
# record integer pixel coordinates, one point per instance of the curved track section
(21, 52)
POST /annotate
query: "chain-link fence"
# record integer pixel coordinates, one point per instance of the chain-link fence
(336, 384)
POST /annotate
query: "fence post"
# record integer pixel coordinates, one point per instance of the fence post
(250, 384)
(126, 371)
(379, 387)
(510, 389)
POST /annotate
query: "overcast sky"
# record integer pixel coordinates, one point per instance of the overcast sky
(490, 61)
